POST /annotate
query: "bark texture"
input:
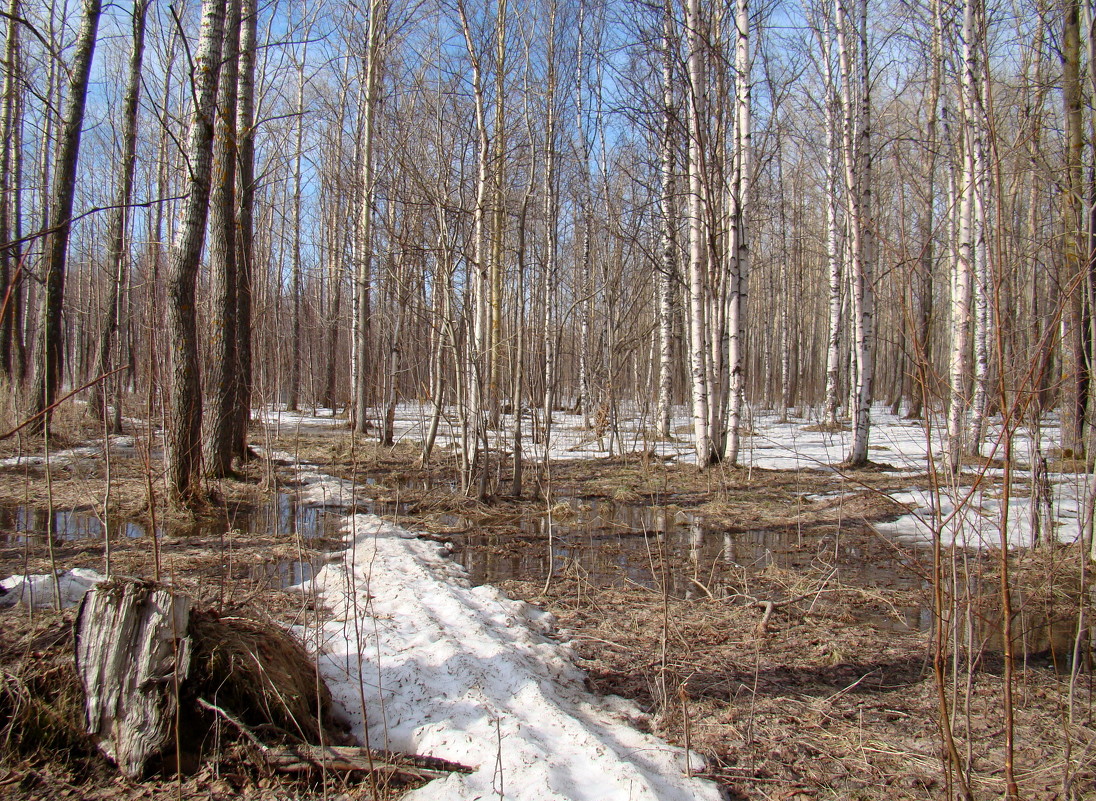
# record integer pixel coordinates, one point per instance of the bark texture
(184, 427)
(131, 655)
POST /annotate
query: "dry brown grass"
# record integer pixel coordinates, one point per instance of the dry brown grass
(262, 674)
(830, 699)
(818, 703)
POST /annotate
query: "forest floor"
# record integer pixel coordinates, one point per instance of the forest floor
(800, 666)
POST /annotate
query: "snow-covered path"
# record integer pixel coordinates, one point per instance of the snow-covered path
(465, 674)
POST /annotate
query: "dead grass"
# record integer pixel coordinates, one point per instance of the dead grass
(827, 428)
(41, 704)
(817, 702)
(262, 674)
(832, 697)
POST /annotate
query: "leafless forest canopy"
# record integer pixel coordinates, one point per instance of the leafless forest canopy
(544, 204)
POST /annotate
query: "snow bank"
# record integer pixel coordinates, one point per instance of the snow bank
(37, 591)
(318, 489)
(465, 674)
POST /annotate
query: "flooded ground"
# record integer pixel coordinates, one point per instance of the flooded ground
(596, 543)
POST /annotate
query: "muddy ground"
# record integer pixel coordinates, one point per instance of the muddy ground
(807, 674)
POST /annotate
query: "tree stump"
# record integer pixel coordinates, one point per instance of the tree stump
(132, 653)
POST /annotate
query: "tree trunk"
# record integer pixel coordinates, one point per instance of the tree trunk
(834, 185)
(668, 268)
(245, 225)
(927, 228)
(50, 345)
(1072, 398)
(498, 225)
(184, 427)
(975, 73)
(220, 400)
(10, 266)
(477, 355)
(856, 152)
(740, 260)
(293, 398)
(698, 265)
(132, 653)
(118, 250)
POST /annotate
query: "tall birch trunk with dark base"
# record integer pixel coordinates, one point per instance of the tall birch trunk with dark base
(118, 250)
(668, 246)
(853, 63)
(221, 382)
(474, 453)
(184, 425)
(824, 37)
(50, 346)
(739, 258)
(975, 81)
(698, 251)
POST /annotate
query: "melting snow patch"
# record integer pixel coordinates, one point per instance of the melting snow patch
(58, 458)
(37, 591)
(973, 518)
(466, 674)
(319, 489)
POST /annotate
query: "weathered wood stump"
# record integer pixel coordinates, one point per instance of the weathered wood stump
(142, 651)
(132, 654)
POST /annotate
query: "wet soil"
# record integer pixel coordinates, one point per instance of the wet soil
(756, 615)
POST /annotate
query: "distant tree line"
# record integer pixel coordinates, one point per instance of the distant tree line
(524, 206)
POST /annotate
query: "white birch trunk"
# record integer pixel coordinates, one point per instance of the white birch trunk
(961, 290)
(739, 241)
(697, 246)
(973, 76)
(551, 244)
(668, 246)
(833, 230)
(479, 346)
(856, 142)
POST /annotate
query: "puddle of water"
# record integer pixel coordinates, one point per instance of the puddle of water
(283, 515)
(613, 544)
(1038, 632)
(284, 573)
(280, 518)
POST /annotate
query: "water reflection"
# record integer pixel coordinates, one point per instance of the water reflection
(612, 544)
(282, 515)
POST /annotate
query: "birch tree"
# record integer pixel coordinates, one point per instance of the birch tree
(698, 261)
(667, 210)
(378, 14)
(855, 99)
(739, 247)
